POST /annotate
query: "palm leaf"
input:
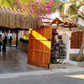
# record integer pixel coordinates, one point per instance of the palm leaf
(73, 17)
(69, 9)
(81, 14)
(6, 3)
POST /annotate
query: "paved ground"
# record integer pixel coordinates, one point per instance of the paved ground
(15, 60)
(57, 78)
(15, 70)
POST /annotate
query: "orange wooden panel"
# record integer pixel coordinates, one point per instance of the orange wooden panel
(39, 46)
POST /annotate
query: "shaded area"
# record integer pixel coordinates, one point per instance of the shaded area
(15, 60)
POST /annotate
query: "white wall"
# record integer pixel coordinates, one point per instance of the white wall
(74, 51)
(80, 21)
(66, 39)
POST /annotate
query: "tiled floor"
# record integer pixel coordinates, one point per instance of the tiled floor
(15, 60)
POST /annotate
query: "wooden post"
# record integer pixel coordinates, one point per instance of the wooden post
(16, 37)
(70, 29)
(57, 25)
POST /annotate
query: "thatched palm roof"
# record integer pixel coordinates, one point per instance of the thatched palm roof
(9, 19)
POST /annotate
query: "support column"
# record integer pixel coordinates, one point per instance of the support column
(68, 48)
(70, 29)
(16, 37)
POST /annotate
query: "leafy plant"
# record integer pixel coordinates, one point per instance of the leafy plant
(23, 40)
(57, 51)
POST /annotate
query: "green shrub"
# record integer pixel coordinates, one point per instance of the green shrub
(23, 40)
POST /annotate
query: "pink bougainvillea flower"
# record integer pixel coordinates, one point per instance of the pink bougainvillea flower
(33, 3)
(17, 2)
(54, 3)
(58, 5)
(34, 8)
(48, 6)
(38, 0)
(28, 7)
(37, 12)
(41, 8)
(51, 2)
(25, 7)
(49, 12)
(22, 9)
(41, 4)
(11, 1)
(36, 3)
(24, 14)
(32, 12)
(20, 18)
(16, 12)
(44, 8)
(43, 17)
(38, 18)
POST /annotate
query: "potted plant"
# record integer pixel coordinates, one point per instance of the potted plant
(57, 53)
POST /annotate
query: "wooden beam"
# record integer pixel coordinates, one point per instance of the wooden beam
(65, 25)
(46, 22)
(56, 22)
(61, 26)
(69, 26)
(58, 26)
